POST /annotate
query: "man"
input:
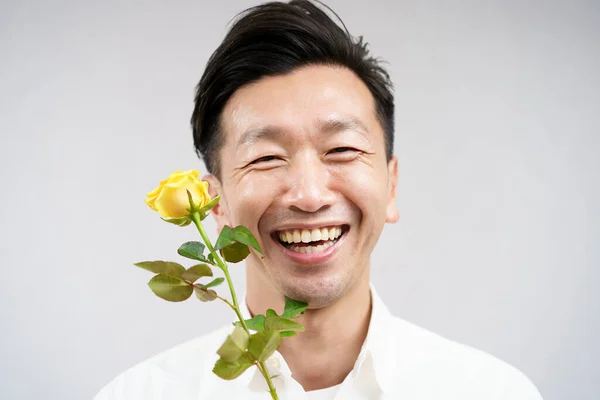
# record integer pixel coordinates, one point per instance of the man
(294, 120)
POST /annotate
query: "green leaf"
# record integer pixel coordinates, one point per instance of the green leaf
(204, 210)
(214, 282)
(235, 345)
(170, 288)
(231, 370)
(282, 324)
(192, 250)
(225, 238)
(185, 221)
(293, 308)
(162, 267)
(192, 208)
(197, 271)
(257, 323)
(233, 243)
(243, 235)
(271, 313)
(263, 344)
(234, 253)
(204, 294)
(287, 333)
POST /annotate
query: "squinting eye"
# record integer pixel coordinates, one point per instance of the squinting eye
(342, 149)
(263, 159)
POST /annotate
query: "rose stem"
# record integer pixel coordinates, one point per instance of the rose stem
(262, 367)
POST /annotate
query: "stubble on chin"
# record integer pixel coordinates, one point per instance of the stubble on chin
(318, 292)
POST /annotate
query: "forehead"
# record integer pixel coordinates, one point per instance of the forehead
(298, 102)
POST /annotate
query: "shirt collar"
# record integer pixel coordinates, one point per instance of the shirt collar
(381, 342)
(376, 355)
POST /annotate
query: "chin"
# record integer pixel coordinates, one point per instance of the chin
(318, 292)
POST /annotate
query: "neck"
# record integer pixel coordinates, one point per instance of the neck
(326, 352)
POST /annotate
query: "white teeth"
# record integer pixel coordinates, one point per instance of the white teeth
(305, 236)
(333, 233)
(312, 235)
(312, 249)
(315, 235)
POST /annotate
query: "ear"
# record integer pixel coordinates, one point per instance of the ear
(391, 213)
(220, 211)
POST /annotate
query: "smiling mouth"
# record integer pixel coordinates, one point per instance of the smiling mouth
(310, 240)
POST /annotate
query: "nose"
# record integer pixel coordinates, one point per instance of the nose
(308, 185)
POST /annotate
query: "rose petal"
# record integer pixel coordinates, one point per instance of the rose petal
(155, 192)
(170, 197)
(172, 202)
(150, 203)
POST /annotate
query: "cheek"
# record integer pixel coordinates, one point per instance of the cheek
(251, 198)
(363, 183)
(366, 188)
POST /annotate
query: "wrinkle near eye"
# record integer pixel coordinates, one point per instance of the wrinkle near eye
(364, 157)
(238, 172)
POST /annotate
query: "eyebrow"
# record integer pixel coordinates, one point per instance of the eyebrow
(251, 136)
(329, 125)
(335, 125)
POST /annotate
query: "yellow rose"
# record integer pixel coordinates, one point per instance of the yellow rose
(170, 198)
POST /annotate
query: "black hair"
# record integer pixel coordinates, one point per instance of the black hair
(276, 38)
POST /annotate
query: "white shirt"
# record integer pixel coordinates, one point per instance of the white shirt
(323, 394)
(398, 360)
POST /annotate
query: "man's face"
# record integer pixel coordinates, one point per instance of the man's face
(304, 158)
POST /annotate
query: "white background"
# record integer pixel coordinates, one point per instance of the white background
(498, 107)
